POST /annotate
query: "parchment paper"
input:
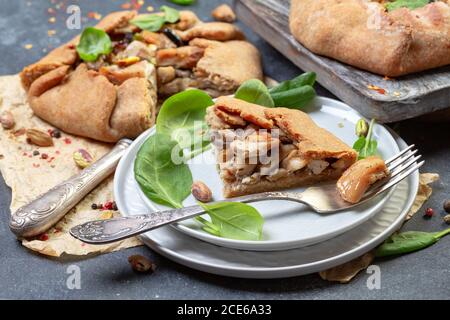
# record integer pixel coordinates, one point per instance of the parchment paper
(28, 175)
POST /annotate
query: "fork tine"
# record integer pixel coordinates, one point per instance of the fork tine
(394, 164)
(392, 182)
(389, 161)
(404, 164)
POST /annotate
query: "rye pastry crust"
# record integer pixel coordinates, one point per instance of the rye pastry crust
(299, 152)
(117, 95)
(364, 34)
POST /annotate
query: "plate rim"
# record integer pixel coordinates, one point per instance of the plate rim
(294, 270)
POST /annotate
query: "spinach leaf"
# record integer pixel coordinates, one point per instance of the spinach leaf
(150, 22)
(254, 91)
(409, 241)
(410, 4)
(233, 220)
(159, 178)
(366, 146)
(182, 116)
(171, 15)
(307, 78)
(295, 98)
(93, 43)
(183, 2)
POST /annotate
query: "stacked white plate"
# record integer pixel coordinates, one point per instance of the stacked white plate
(296, 240)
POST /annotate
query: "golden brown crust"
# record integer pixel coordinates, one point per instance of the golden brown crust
(219, 31)
(232, 61)
(313, 141)
(312, 153)
(248, 111)
(89, 115)
(361, 33)
(299, 179)
(70, 99)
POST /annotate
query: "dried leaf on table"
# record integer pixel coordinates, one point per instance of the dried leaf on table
(424, 192)
(45, 167)
(347, 271)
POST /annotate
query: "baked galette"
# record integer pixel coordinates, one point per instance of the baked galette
(264, 149)
(384, 37)
(117, 95)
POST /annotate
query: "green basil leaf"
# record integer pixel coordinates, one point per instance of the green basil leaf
(93, 43)
(160, 179)
(150, 22)
(410, 4)
(294, 98)
(359, 144)
(406, 242)
(183, 2)
(308, 78)
(234, 220)
(182, 116)
(171, 15)
(254, 91)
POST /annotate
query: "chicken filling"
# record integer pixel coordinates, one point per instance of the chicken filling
(250, 154)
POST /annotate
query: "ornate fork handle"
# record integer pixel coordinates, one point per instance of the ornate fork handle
(43, 212)
(106, 231)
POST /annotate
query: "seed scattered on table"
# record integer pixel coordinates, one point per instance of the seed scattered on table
(447, 206)
(201, 192)
(141, 264)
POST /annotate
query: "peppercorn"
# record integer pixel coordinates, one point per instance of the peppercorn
(447, 219)
(94, 206)
(429, 212)
(56, 133)
(114, 206)
(43, 237)
(447, 206)
(108, 206)
(36, 153)
(44, 156)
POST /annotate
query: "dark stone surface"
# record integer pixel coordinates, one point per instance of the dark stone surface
(424, 274)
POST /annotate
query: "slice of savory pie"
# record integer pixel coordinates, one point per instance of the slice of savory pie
(264, 149)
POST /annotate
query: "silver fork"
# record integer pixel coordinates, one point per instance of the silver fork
(322, 199)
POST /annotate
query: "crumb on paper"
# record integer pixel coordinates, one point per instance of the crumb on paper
(52, 20)
(340, 125)
(51, 33)
(28, 46)
(347, 271)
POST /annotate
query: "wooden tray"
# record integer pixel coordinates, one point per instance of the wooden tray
(404, 97)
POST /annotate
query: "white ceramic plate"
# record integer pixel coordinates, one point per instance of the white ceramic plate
(287, 225)
(207, 257)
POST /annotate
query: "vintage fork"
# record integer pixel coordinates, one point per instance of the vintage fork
(322, 199)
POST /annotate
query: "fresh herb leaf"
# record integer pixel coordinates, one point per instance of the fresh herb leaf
(233, 220)
(294, 93)
(182, 116)
(366, 146)
(171, 15)
(183, 2)
(154, 22)
(160, 179)
(409, 241)
(254, 91)
(295, 98)
(93, 43)
(410, 4)
(307, 78)
(150, 22)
